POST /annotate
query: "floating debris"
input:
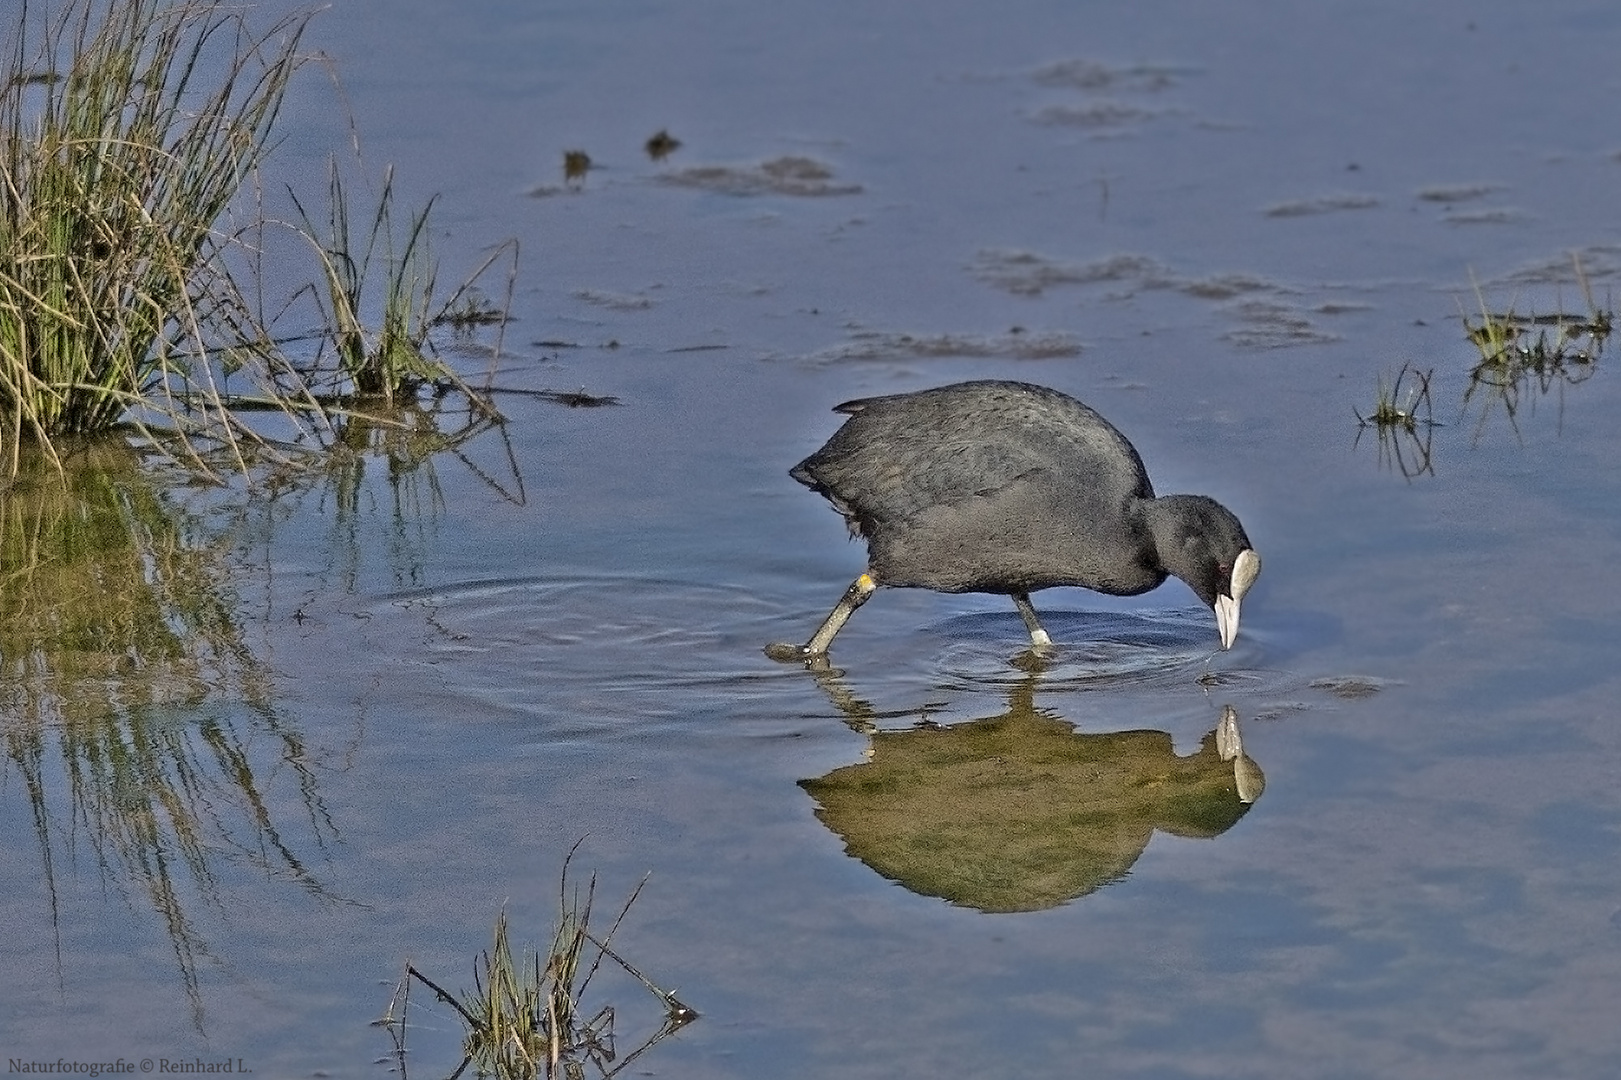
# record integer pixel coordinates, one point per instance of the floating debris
(1026, 273)
(662, 145)
(1457, 193)
(779, 176)
(1351, 687)
(576, 163)
(1095, 114)
(574, 399)
(1016, 344)
(1093, 75)
(1485, 216)
(1578, 268)
(612, 301)
(1323, 204)
(470, 312)
(579, 399)
(1104, 114)
(1451, 197)
(1267, 321)
(1271, 325)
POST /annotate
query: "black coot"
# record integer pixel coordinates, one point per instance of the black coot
(1006, 487)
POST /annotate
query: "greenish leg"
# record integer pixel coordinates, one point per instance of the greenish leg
(856, 595)
(1038, 637)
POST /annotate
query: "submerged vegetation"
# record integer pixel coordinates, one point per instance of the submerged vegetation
(1403, 416)
(1394, 408)
(128, 132)
(1519, 357)
(1520, 353)
(525, 1016)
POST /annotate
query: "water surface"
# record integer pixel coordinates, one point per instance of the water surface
(1219, 225)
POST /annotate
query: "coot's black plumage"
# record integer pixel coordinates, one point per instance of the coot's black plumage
(1006, 487)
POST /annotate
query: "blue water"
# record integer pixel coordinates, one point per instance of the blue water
(1221, 224)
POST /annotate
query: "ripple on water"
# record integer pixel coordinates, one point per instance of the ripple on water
(1092, 650)
(600, 643)
(594, 655)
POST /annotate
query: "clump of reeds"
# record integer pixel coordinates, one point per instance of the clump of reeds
(127, 133)
(1521, 351)
(1513, 345)
(386, 277)
(525, 1017)
(1404, 416)
(127, 127)
(1396, 408)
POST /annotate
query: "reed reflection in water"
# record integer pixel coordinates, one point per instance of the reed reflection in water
(138, 721)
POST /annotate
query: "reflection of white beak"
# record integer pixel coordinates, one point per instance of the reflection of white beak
(1246, 568)
(1248, 780)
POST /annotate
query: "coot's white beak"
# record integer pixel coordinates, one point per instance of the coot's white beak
(1246, 568)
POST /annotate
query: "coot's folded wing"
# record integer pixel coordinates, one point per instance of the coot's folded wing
(900, 455)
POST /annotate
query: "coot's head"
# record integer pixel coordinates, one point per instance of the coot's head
(1209, 551)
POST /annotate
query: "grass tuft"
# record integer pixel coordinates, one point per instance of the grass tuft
(1522, 352)
(1403, 416)
(393, 361)
(386, 276)
(525, 1016)
(1396, 408)
(126, 131)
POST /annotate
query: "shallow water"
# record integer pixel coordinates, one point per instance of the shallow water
(1218, 225)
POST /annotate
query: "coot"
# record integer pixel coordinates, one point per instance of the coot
(1006, 487)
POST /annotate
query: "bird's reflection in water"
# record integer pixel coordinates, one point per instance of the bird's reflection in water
(1021, 812)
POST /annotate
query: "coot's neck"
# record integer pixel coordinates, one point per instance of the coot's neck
(1167, 519)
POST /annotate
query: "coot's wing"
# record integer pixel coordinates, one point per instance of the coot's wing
(901, 455)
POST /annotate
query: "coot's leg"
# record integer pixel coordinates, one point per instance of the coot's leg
(856, 595)
(1038, 636)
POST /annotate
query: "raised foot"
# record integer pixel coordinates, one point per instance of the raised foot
(783, 652)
